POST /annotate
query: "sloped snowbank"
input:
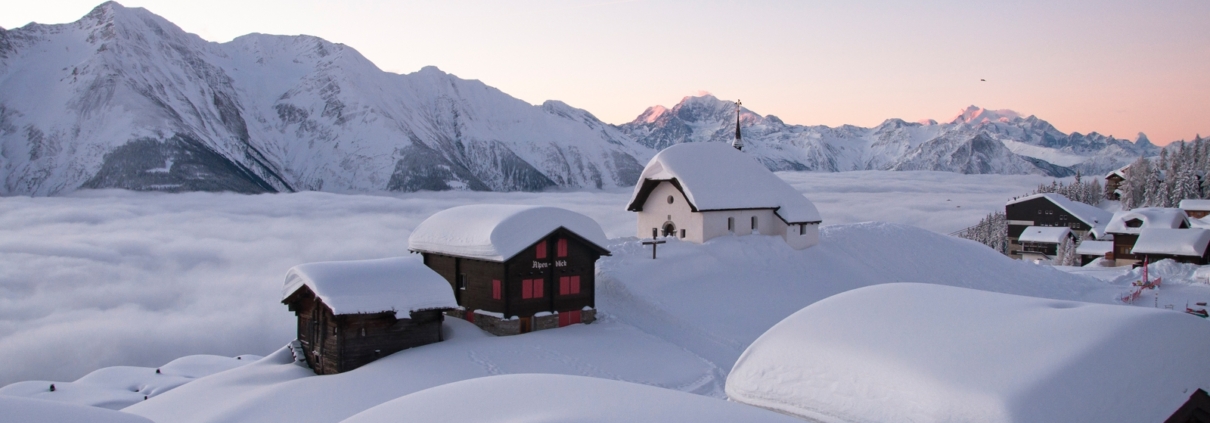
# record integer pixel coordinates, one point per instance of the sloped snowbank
(25, 410)
(929, 353)
(560, 398)
(120, 386)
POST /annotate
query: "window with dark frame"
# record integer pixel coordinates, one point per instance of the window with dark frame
(496, 289)
(462, 281)
(540, 250)
(753, 223)
(731, 224)
(561, 247)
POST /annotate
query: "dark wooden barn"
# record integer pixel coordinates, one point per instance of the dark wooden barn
(533, 268)
(1050, 210)
(1126, 226)
(352, 313)
(1188, 245)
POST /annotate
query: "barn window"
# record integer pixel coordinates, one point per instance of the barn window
(669, 199)
(495, 289)
(541, 250)
(462, 281)
(561, 246)
(753, 223)
(802, 229)
(731, 224)
(682, 233)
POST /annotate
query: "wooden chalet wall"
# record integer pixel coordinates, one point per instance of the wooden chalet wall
(479, 277)
(1038, 212)
(339, 343)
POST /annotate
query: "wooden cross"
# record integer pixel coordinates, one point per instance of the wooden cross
(653, 243)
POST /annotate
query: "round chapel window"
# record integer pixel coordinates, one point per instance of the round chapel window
(669, 199)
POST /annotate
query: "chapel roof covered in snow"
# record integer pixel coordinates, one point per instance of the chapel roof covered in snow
(1149, 217)
(714, 176)
(497, 232)
(1195, 204)
(1090, 215)
(399, 284)
(1172, 242)
(1094, 248)
(1045, 234)
(933, 353)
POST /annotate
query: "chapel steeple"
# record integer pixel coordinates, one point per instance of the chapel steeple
(739, 141)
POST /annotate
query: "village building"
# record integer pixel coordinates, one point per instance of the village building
(1041, 243)
(1195, 209)
(1052, 210)
(703, 190)
(351, 313)
(1113, 181)
(514, 269)
(1126, 226)
(1090, 250)
(1182, 245)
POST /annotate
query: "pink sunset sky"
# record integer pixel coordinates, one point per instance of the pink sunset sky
(1114, 67)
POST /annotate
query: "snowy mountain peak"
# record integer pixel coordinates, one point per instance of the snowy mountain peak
(652, 114)
(976, 114)
(1142, 139)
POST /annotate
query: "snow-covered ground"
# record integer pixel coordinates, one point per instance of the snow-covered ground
(117, 278)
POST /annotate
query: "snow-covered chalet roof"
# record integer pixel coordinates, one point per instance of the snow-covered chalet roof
(932, 353)
(1196, 205)
(1094, 248)
(1045, 234)
(1090, 215)
(399, 284)
(715, 176)
(1120, 172)
(497, 232)
(1175, 242)
(1151, 217)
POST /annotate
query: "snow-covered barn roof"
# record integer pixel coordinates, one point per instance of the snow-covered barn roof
(1094, 248)
(1120, 172)
(715, 176)
(1090, 215)
(1151, 217)
(399, 284)
(933, 353)
(1175, 242)
(1196, 205)
(1045, 234)
(497, 232)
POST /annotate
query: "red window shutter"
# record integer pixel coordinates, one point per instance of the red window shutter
(562, 247)
(527, 288)
(575, 285)
(540, 250)
(495, 289)
(563, 285)
(538, 285)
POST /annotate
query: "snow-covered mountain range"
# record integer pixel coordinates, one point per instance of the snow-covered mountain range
(123, 98)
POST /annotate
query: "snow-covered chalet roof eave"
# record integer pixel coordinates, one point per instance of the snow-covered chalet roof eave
(569, 233)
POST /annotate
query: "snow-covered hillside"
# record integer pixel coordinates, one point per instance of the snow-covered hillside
(123, 98)
(976, 141)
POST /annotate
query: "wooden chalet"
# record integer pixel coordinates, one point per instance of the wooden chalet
(1126, 226)
(1182, 245)
(1113, 181)
(354, 312)
(1042, 242)
(1051, 210)
(1090, 250)
(515, 269)
(1195, 209)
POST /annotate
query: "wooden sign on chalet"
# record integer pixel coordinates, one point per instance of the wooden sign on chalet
(515, 269)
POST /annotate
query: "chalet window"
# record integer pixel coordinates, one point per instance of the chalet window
(731, 224)
(531, 288)
(496, 289)
(669, 199)
(462, 281)
(540, 250)
(802, 229)
(753, 223)
(682, 233)
(1134, 223)
(569, 285)
(363, 332)
(562, 247)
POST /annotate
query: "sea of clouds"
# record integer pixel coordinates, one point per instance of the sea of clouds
(104, 278)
